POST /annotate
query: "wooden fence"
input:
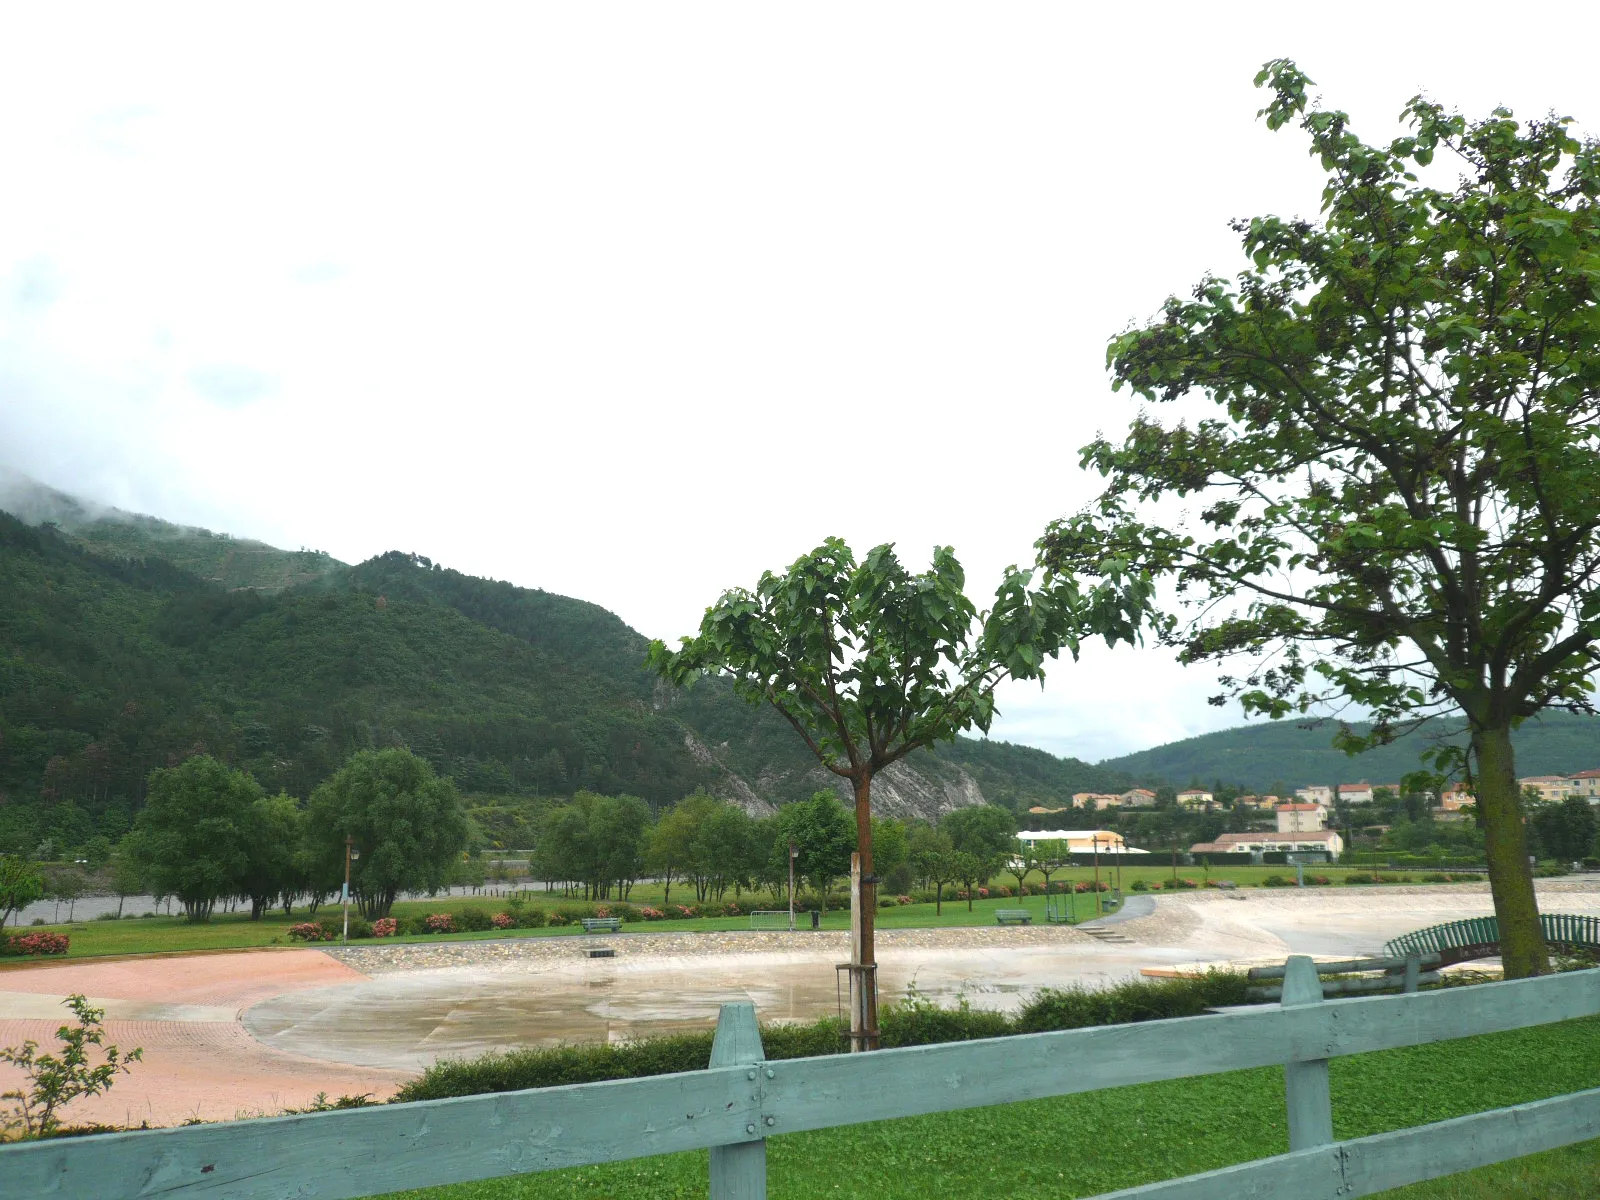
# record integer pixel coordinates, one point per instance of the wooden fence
(741, 1100)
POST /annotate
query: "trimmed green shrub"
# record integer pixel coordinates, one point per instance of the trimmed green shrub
(531, 917)
(1134, 1000)
(473, 920)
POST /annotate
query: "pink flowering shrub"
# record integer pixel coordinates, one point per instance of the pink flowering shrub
(651, 914)
(439, 923)
(686, 910)
(385, 927)
(983, 893)
(306, 931)
(603, 910)
(1003, 892)
(902, 899)
(37, 944)
(503, 921)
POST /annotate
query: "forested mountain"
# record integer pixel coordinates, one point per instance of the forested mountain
(127, 643)
(1288, 752)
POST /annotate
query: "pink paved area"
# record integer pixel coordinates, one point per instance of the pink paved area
(185, 1011)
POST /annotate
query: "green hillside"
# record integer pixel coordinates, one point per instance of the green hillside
(232, 563)
(1287, 752)
(125, 644)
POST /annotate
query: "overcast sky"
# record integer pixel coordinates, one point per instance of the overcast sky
(633, 302)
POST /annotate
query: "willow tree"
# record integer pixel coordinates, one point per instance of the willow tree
(867, 662)
(1393, 499)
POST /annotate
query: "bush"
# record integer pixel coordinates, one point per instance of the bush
(1140, 885)
(1468, 878)
(306, 931)
(1135, 1000)
(385, 927)
(1277, 881)
(887, 902)
(1003, 892)
(439, 923)
(1318, 880)
(360, 927)
(651, 914)
(1356, 877)
(685, 911)
(556, 918)
(36, 945)
(503, 921)
(532, 917)
(902, 899)
(1436, 877)
(919, 1021)
(474, 920)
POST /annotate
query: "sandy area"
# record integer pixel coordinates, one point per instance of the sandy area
(256, 1031)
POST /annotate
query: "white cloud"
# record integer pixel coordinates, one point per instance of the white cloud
(633, 302)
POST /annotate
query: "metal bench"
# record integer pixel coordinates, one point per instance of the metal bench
(596, 924)
(1013, 916)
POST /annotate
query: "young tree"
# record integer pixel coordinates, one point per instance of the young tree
(192, 839)
(670, 853)
(126, 877)
(868, 662)
(934, 858)
(20, 886)
(407, 824)
(1050, 857)
(822, 832)
(277, 827)
(1397, 498)
(1021, 863)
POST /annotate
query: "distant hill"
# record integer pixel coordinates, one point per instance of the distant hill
(1287, 752)
(232, 563)
(127, 643)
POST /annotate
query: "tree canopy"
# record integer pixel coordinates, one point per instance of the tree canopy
(195, 837)
(1395, 501)
(868, 661)
(407, 824)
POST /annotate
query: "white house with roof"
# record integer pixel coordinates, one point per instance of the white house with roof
(1081, 841)
(1237, 843)
(1318, 794)
(1194, 798)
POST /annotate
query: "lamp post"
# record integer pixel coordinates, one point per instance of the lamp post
(794, 853)
(349, 853)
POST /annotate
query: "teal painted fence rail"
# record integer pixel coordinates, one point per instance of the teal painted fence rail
(740, 1100)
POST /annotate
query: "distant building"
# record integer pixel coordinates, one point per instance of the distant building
(1587, 785)
(1138, 798)
(1315, 795)
(1551, 787)
(1238, 843)
(1300, 818)
(1040, 811)
(1356, 793)
(1194, 798)
(1456, 797)
(1267, 802)
(1081, 841)
(1096, 800)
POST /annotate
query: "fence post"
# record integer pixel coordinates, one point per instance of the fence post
(739, 1172)
(1413, 970)
(1306, 1083)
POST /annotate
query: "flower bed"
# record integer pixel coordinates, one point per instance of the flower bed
(385, 927)
(307, 931)
(37, 945)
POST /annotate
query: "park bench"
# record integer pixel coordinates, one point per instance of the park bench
(596, 924)
(1013, 916)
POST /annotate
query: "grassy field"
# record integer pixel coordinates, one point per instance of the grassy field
(152, 935)
(1086, 1144)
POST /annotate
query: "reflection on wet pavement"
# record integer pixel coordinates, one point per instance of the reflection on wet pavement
(408, 1020)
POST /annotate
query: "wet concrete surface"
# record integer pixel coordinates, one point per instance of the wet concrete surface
(408, 1020)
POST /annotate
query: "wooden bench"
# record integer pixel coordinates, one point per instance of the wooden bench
(596, 924)
(1013, 916)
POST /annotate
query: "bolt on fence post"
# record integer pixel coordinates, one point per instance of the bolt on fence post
(1306, 1083)
(739, 1171)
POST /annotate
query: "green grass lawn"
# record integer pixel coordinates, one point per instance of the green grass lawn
(1099, 1141)
(148, 935)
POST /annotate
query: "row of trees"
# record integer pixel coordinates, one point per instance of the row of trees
(601, 845)
(209, 833)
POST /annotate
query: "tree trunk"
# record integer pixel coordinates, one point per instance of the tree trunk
(869, 910)
(1522, 948)
(938, 899)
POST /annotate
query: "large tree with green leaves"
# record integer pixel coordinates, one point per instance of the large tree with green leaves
(1393, 499)
(406, 825)
(20, 886)
(194, 837)
(868, 661)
